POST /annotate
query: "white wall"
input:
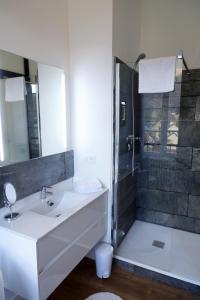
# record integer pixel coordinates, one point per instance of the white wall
(90, 41)
(157, 28)
(35, 29)
(170, 25)
(126, 29)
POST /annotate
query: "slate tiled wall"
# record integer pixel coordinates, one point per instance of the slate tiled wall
(169, 174)
(28, 177)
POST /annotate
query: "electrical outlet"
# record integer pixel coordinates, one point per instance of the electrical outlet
(91, 159)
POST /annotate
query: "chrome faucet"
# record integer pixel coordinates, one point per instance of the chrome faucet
(45, 191)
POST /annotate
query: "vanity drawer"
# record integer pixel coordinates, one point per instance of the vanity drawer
(51, 277)
(53, 243)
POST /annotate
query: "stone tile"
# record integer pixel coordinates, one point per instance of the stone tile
(191, 88)
(33, 132)
(194, 206)
(126, 186)
(184, 157)
(158, 162)
(31, 103)
(168, 180)
(187, 113)
(175, 97)
(188, 102)
(124, 203)
(123, 145)
(142, 179)
(196, 159)
(197, 114)
(125, 221)
(174, 221)
(195, 186)
(69, 164)
(189, 134)
(181, 160)
(195, 75)
(169, 202)
(125, 165)
(172, 99)
(152, 100)
(127, 213)
(29, 177)
(154, 217)
(152, 115)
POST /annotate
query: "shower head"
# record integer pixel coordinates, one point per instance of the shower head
(141, 56)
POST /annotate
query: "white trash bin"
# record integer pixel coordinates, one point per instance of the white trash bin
(103, 257)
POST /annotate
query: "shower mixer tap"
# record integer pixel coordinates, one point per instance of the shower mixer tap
(130, 142)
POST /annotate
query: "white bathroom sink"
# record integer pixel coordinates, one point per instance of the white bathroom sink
(56, 207)
(57, 238)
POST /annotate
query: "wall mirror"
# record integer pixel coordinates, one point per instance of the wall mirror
(32, 109)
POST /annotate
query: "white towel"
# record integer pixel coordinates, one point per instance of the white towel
(87, 186)
(15, 89)
(157, 75)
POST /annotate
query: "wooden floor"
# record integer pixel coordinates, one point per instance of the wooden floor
(83, 282)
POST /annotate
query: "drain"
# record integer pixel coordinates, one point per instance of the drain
(50, 203)
(158, 244)
(10, 217)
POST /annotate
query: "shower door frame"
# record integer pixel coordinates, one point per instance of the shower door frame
(116, 135)
(116, 100)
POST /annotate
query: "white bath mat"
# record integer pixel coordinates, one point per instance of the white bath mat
(104, 296)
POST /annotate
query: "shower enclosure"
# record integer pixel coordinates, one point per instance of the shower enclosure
(156, 174)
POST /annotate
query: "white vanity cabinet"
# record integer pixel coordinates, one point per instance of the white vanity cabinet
(34, 268)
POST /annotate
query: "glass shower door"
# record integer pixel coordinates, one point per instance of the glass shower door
(124, 200)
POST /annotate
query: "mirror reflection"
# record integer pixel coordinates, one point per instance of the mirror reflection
(32, 109)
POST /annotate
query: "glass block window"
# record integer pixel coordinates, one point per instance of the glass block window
(151, 148)
(171, 149)
(172, 138)
(152, 137)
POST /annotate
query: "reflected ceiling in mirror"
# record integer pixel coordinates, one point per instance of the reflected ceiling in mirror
(32, 109)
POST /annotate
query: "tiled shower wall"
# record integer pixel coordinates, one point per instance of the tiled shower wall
(169, 173)
(28, 177)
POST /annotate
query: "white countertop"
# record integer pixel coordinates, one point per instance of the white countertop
(34, 225)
